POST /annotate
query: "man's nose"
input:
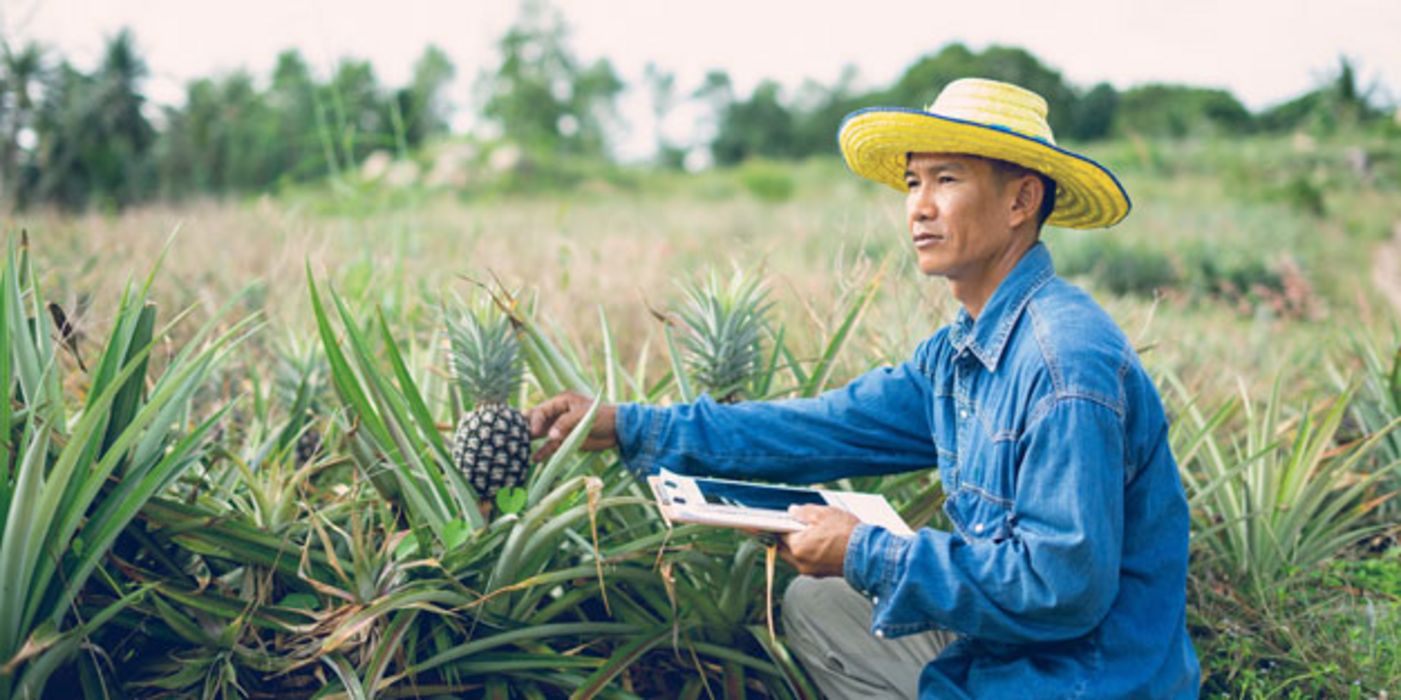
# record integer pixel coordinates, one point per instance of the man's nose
(922, 205)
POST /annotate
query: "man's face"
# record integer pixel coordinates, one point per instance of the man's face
(957, 208)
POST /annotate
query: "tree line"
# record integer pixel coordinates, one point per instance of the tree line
(76, 139)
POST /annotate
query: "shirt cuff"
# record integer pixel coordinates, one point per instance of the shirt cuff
(873, 558)
(638, 428)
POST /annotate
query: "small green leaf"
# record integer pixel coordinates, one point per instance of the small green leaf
(456, 532)
(300, 601)
(511, 500)
(406, 548)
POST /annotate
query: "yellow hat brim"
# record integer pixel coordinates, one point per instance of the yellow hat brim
(876, 142)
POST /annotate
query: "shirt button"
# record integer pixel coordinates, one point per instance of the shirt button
(880, 633)
(963, 414)
(875, 600)
(978, 528)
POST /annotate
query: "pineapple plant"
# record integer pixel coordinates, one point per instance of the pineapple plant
(725, 323)
(491, 443)
(301, 384)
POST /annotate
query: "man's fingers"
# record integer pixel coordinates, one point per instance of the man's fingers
(559, 429)
(785, 548)
(807, 514)
(544, 415)
(557, 417)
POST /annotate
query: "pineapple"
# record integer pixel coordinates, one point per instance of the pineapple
(491, 444)
(726, 323)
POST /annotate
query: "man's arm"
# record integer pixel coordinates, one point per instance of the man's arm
(879, 423)
(1053, 577)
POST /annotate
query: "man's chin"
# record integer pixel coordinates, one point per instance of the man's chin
(930, 268)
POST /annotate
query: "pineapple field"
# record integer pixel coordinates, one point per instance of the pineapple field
(274, 447)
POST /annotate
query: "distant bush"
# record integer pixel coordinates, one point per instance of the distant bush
(768, 182)
(1300, 193)
(1117, 267)
(1248, 282)
(1179, 110)
(1196, 271)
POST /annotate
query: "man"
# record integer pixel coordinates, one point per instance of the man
(1065, 572)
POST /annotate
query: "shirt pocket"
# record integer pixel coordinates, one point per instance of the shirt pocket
(979, 516)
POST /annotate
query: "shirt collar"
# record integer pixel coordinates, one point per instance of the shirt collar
(986, 338)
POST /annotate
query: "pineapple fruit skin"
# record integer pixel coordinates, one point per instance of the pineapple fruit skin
(491, 446)
(308, 445)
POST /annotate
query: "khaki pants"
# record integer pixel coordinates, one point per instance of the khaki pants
(828, 627)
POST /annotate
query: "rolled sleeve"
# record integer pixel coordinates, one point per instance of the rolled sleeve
(873, 558)
(639, 428)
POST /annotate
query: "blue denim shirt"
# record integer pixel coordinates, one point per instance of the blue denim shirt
(1065, 572)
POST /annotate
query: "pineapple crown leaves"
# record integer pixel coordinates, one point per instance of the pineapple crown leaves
(726, 322)
(484, 354)
(301, 368)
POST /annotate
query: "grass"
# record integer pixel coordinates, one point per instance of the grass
(375, 544)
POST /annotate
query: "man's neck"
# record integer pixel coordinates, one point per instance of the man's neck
(974, 291)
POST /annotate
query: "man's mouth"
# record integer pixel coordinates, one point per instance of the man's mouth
(924, 240)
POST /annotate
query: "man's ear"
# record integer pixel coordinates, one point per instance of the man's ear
(1026, 202)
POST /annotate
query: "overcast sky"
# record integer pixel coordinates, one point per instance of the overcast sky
(1264, 51)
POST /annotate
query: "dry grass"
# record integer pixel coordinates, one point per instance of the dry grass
(622, 251)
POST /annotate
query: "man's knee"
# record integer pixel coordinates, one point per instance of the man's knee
(812, 606)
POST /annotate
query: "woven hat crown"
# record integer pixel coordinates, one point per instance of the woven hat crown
(996, 104)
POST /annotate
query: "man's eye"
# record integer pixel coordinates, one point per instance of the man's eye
(911, 184)
(945, 179)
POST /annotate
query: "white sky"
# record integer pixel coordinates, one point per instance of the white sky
(1264, 51)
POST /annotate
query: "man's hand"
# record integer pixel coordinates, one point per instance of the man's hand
(819, 549)
(556, 417)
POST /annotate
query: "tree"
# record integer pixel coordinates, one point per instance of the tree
(819, 111)
(94, 141)
(539, 95)
(292, 98)
(358, 115)
(661, 89)
(759, 126)
(1093, 114)
(424, 108)
(1178, 111)
(225, 139)
(22, 72)
(1339, 102)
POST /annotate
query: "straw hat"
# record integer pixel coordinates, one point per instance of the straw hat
(990, 119)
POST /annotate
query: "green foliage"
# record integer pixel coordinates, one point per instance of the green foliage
(1094, 114)
(1339, 104)
(767, 181)
(422, 106)
(724, 324)
(484, 354)
(1117, 267)
(1177, 111)
(21, 76)
(540, 96)
(1375, 405)
(1332, 634)
(1275, 500)
(758, 127)
(78, 469)
(93, 141)
(94, 146)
